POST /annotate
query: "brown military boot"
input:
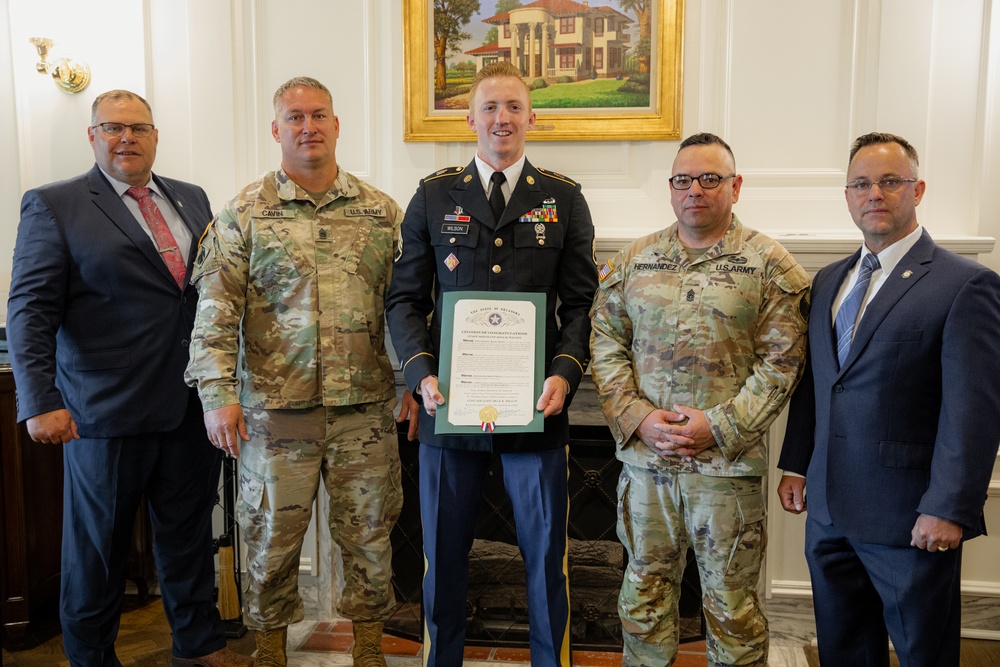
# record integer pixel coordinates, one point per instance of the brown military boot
(368, 645)
(271, 647)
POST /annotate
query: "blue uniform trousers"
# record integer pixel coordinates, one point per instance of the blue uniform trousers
(450, 492)
(105, 479)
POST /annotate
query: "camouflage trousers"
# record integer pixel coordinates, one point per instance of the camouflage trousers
(355, 452)
(660, 514)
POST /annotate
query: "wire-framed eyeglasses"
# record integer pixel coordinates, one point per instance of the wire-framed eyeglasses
(706, 181)
(887, 184)
(139, 130)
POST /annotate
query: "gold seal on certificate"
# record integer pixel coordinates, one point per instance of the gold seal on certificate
(488, 417)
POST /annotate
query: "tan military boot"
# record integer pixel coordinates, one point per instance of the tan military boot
(368, 645)
(271, 647)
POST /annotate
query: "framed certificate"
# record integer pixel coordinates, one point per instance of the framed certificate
(491, 368)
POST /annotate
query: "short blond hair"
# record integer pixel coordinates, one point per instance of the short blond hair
(501, 68)
(299, 82)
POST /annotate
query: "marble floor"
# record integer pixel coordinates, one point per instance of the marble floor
(791, 620)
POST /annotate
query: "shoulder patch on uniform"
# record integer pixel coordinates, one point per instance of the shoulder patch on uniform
(557, 176)
(201, 239)
(444, 172)
(606, 270)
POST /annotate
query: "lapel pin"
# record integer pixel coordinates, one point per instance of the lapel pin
(468, 177)
(907, 273)
(530, 179)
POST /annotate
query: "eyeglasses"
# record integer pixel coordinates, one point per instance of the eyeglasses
(707, 181)
(889, 184)
(139, 130)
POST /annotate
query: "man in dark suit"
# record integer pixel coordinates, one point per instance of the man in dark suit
(895, 425)
(99, 317)
(500, 225)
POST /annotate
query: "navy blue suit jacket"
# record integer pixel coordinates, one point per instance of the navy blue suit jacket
(910, 425)
(96, 323)
(557, 262)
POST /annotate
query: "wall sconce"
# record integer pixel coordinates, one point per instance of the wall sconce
(70, 76)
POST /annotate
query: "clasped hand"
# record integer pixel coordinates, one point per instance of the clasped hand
(681, 433)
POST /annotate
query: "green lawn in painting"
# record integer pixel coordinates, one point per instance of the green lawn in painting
(586, 94)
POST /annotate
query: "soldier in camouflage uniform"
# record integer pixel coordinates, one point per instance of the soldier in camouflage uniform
(295, 268)
(698, 340)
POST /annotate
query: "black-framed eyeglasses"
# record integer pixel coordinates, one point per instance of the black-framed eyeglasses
(707, 181)
(139, 130)
(887, 184)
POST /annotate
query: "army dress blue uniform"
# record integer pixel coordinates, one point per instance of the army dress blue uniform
(543, 242)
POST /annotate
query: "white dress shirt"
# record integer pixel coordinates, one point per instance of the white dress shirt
(511, 173)
(182, 235)
(888, 259)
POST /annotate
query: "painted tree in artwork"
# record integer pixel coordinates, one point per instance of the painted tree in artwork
(643, 12)
(493, 34)
(450, 16)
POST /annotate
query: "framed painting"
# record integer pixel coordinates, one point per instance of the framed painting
(597, 70)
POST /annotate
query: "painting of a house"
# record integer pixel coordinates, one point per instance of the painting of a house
(573, 55)
(596, 69)
(549, 39)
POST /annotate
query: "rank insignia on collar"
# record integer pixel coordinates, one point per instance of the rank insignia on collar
(451, 262)
(907, 273)
(457, 216)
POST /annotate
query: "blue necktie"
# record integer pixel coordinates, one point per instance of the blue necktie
(847, 316)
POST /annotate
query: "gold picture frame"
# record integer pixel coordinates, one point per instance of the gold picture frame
(660, 121)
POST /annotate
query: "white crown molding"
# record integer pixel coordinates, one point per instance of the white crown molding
(833, 243)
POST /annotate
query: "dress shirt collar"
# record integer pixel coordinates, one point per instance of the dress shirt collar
(511, 173)
(889, 257)
(119, 187)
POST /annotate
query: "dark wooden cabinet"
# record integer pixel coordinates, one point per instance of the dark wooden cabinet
(31, 513)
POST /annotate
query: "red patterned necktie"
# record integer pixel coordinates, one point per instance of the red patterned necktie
(162, 235)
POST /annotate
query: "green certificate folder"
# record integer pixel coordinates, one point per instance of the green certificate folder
(491, 368)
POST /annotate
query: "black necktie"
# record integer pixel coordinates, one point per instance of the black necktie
(497, 202)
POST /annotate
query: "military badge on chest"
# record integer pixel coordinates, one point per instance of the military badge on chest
(544, 213)
(458, 216)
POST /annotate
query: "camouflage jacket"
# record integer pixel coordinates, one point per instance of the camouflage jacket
(724, 334)
(302, 286)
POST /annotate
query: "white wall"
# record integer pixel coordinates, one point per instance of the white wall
(788, 83)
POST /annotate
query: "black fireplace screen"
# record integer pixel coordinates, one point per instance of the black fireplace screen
(496, 605)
